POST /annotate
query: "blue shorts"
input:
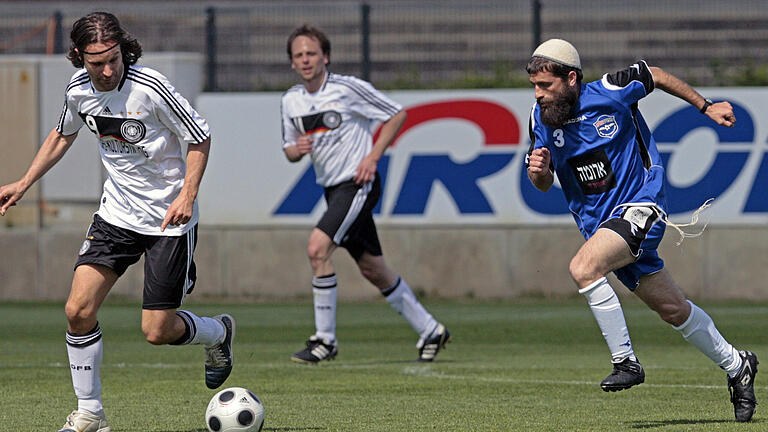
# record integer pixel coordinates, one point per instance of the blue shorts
(643, 242)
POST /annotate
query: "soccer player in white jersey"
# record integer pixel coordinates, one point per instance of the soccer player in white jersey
(148, 206)
(328, 117)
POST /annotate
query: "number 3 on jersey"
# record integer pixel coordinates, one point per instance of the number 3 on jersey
(558, 136)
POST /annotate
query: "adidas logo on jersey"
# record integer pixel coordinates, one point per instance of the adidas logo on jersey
(107, 111)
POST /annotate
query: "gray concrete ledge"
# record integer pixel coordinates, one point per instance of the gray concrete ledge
(266, 264)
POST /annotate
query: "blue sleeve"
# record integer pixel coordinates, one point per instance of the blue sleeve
(630, 84)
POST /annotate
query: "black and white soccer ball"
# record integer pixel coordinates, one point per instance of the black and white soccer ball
(234, 409)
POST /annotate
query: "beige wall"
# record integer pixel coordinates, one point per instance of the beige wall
(18, 142)
(456, 263)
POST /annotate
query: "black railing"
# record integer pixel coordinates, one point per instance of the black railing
(427, 43)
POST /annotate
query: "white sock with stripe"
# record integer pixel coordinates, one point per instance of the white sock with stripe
(202, 330)
(85, 353)
(325, 292)
(700, 331)
(607, 310)
(402, 299)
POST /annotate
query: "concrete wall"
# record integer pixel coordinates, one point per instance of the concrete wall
(18, 141)
(455, 263)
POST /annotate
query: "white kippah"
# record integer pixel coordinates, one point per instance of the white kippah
(559, 51)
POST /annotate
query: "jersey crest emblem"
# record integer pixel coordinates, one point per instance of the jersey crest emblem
(133, 131)
(606, 126)
(317, 122)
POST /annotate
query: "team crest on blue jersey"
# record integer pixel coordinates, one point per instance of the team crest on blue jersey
(606, 126)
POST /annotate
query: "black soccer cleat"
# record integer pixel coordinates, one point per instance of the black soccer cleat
(219, 358)
(742, 387)
(624, 375)
(316, 351)
(429, 348)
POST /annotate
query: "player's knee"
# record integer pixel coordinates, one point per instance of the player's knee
(581, 271)
(78, 315)
(155, 336)
(317, 252)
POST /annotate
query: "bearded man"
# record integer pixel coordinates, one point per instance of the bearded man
(595, 139)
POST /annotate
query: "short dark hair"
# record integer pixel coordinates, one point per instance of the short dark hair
(540, 64)
(312, 33)
(101, 27)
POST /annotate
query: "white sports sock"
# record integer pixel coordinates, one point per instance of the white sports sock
(700, 331)
(610, 318)
(202, 330)
(325, 292)
(85, 354)
(402, 299)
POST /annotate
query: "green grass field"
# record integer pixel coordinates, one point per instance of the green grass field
(517, 366)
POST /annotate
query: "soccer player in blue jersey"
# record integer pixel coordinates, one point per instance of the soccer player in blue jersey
(593, 137)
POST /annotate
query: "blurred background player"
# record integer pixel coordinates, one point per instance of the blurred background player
(148, 206)
(594, 137)
(328, 116)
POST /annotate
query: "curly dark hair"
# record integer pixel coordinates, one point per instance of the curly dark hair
(101, 27)
(312, 33)
(540, 64)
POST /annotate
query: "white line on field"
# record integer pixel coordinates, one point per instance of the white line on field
(424, 371)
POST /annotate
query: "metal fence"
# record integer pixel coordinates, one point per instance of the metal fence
(425, 44)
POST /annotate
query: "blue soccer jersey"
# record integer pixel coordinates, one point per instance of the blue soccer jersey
(605, 156)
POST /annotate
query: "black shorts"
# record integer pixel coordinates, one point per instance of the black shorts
(637, 225)
(348, 221)
(169, 270)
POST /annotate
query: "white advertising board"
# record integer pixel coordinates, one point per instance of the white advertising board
(459, 161)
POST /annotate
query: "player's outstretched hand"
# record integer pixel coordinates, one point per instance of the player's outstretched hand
(538, 161)
(722, 114)
(180, 211)
(9, 194)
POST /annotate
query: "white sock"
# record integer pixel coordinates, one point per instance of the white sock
(700, 331)
(401, 298)
(610, 318)
(202, 330)
(325, 292)
(85, 354)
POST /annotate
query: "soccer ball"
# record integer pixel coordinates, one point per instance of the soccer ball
(234, 409)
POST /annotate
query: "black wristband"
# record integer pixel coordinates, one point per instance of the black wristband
(707, 103)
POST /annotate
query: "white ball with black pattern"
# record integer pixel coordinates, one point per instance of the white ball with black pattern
(234, 409)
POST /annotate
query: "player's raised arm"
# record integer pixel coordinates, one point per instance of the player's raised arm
(720, 112)
(53, 148)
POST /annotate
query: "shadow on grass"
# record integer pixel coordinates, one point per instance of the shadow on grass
(390, 362)
(650, 424)
(277, 429)
(280, 429)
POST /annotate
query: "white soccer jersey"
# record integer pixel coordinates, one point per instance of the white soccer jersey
(338, 118)
(140, 125)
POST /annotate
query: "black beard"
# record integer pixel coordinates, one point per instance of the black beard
(560, 108)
